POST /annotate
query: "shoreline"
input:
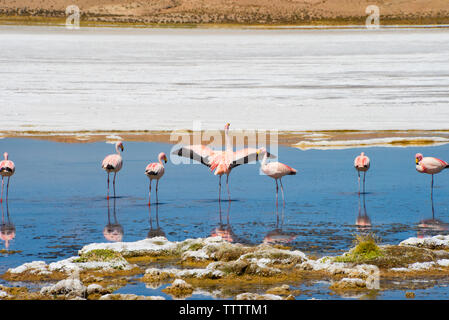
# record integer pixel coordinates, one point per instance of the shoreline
(338, 23)
(317, 139)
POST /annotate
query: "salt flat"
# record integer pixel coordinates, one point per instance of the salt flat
(54, 79)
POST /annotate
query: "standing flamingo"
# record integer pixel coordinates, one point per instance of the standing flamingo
(431, 166)
(155, 170)
(113, 163)
(7, 169)
(220, 161)
(276, 170)
(361, 164)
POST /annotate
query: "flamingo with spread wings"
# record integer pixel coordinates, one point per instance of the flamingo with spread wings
(220, 161)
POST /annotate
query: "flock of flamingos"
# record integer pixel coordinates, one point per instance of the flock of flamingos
(222, 162)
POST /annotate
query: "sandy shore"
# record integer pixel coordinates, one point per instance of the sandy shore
(259, 12)
(303, 140)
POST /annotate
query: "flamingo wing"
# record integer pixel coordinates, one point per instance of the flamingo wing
(112, 162)
(247, 155)
(153, 169)
(199, 153)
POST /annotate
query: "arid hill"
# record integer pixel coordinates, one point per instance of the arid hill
(234, 11)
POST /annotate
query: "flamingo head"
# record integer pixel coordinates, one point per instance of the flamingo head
(362, 154)
(6, 155)
(227, 125)
(119, 145)
(418, 157)
(162, 156)
(262, 151)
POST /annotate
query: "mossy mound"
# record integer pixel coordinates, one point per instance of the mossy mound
(103, 255)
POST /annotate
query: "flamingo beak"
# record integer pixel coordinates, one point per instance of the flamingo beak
(122, 147)
(165, 159)
(416, 160)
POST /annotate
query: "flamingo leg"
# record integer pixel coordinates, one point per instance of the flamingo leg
(149, 195)
(1, 199)
(277, 188)
(157, 188)
(113, 182)
(282, 190)
(108, 187)
(7, 190)
(219, 189)
(431, 189)
(364, 174)
(227, 187)
(358, 173)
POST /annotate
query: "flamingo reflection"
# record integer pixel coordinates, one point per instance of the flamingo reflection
(363, 221)
(224, 230)
(432, 226)
(155, 232)
(7, 228)
(278, 235)
(113, 231)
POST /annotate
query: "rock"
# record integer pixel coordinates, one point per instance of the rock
(118, 296)
(179, 288)
(283, 290)
(97, 289)
(69, 287)
(348, 284)
(256, 296)
(410, 295)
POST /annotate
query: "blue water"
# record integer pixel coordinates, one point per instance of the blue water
(57, 200)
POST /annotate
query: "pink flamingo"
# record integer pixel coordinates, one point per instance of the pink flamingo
(220, 161)
(431, 166)
(7, 169)
(155, 170)
(275, 170)
(113, 163)
(361, 164)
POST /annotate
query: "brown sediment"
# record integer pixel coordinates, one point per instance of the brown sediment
(190, 13)
(33, 277)
(308, 139)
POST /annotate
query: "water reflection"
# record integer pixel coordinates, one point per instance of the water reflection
(7, 228)
(155, 232)
(278, 235)
(113, 231)
(363, 222)
(431, 227)
(224, 230)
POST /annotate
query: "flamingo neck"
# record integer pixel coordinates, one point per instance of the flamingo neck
(228, 141)
(160, 161)
(6, 155)
(117, 149)
(264, 160)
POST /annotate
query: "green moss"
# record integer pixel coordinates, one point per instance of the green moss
(99, 255)
(366, 249)
(195, 246)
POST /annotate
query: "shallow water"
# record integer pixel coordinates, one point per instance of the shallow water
(64, 197)
(57, 199)
(51, 78)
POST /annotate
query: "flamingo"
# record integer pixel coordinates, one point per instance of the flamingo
(7, 228)
(7, 169)
(220, 161)
(113, 163)
(431, 166)
(361, 164)
(275, 170)
(155, 170)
